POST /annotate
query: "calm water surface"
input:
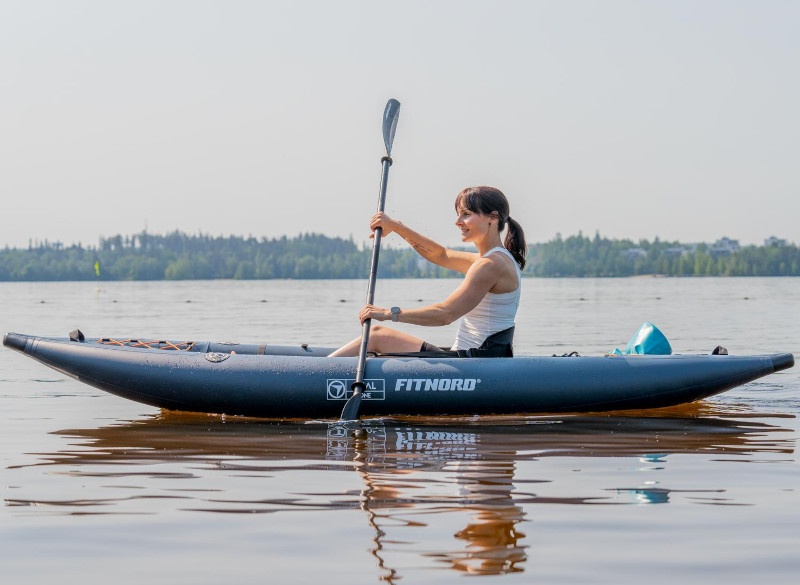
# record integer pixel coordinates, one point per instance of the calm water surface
(96, 487)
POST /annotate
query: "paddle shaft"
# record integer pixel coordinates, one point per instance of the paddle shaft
(358, 386)
(353, 405)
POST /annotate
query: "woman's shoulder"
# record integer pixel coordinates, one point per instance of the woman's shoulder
(499, 256)
(500, 269)
(491, 263)
(499, 251)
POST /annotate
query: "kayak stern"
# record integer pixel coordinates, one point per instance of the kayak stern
(16, 341)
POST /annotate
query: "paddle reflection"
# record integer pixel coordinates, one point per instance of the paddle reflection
(453, 491)
(396, 463)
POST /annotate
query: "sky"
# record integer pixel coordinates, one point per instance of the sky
(634, 119)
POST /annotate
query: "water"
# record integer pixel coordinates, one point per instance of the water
(96, 487)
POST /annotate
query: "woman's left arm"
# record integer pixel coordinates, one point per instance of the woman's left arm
(479, 280)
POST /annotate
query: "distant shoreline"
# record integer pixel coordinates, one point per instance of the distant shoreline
(99, 283)
(180, 256)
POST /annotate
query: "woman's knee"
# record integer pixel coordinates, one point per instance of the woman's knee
(381, 338)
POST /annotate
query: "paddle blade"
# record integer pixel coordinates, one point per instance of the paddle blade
(390, 116)
(351, 408)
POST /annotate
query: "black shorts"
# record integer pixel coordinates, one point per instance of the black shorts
(496, 345)
(429, 347)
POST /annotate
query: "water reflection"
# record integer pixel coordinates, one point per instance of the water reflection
(395, 460)
(448, 490)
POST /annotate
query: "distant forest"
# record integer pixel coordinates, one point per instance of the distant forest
(181, 256)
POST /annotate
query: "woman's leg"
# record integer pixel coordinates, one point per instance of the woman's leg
(382, 340)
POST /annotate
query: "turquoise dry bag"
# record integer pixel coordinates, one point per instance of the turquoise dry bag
(648, 341)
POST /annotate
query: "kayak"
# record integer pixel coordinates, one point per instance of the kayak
(302, 382)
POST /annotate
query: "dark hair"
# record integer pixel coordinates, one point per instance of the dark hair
(485, 200)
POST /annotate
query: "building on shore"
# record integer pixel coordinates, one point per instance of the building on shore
(634, 253)
(724, 247)
(773, 241)
(676, 252)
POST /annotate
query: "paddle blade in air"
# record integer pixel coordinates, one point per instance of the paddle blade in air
(390, 117)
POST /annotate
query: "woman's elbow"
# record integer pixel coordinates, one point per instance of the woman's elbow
(446, 317)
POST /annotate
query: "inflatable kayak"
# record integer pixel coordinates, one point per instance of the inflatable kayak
(301, 382)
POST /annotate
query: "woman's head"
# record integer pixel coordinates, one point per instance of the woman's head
(486, 201)
(491, 201)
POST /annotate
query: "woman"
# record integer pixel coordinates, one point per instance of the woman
(487, 299)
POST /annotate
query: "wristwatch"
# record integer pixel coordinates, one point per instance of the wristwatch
(395, 314)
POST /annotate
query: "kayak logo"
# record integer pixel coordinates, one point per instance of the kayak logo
(342, 389)
(437, 384)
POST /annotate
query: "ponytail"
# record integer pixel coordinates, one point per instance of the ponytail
(515, 242)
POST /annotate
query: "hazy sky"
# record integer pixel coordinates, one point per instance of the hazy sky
(676, 119)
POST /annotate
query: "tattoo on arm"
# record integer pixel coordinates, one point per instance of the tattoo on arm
(418, 246)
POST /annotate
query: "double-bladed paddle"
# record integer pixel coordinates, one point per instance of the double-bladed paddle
(353, 405)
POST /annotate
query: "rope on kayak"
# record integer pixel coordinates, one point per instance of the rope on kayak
(161, 344)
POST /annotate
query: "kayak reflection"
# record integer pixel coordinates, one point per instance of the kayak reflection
(450, 490)
(422, 442)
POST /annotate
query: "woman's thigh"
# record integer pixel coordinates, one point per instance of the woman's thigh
(385, 339)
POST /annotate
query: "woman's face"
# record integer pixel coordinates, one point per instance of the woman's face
(473, 225)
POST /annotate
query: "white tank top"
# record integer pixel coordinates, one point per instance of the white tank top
(494, 313)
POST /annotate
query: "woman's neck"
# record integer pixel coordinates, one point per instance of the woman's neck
(488, 244)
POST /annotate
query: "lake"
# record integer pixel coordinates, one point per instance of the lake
(99, 488)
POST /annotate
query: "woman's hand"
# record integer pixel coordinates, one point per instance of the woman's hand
(375, 313)
(383, 221)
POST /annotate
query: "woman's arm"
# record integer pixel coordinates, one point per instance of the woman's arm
(481, 277)
(425, 247)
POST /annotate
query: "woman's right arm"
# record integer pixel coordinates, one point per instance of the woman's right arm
(457, 260)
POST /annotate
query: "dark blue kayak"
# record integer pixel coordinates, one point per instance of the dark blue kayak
(301, 382)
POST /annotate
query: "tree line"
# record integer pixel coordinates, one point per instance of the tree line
(181, 256)
(582, 256)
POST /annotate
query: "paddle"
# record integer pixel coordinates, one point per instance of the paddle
(353, 405)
